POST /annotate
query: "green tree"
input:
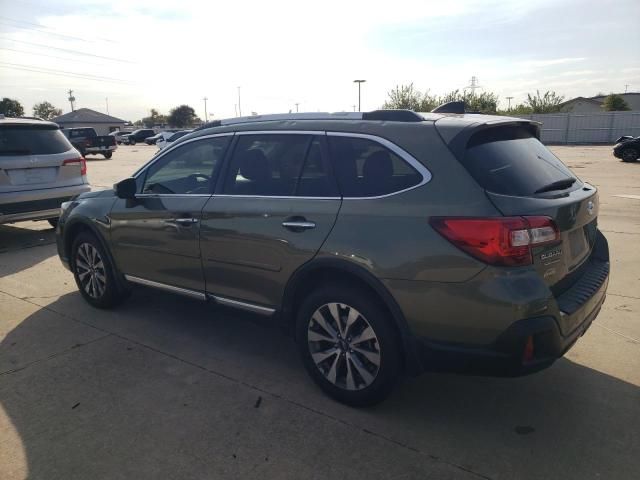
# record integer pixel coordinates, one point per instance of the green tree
(182, 116)
(615, 103)
(547, 103)
(403, 97)
(154, 119)
(46, 111)
(11, 107)
(407, 97)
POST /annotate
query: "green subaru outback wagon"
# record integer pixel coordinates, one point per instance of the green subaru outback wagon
(388, 242)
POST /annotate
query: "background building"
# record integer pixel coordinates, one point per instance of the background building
(594, 104)
(85, 117)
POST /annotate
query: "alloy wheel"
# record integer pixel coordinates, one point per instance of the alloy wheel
(90, 270)
(344, 346)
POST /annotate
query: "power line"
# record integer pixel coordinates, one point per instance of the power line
(49, 71)
(75, 52)
(50, 56)
(24, 22)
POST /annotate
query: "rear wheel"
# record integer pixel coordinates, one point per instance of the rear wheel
(348, 345)
(94, 273)
(630, 154)
(108, 155)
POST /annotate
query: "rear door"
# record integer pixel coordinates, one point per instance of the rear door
(524, 178)
(277, 203)
(37, 156)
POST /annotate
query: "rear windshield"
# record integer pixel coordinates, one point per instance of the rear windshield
(32, 140)
(512, 161)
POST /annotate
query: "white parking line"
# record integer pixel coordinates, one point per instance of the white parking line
(634, 197)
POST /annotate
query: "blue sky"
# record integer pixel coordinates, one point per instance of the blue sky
(144, 54)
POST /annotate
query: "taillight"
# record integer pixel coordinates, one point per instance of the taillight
(504, 241)
(81, 161)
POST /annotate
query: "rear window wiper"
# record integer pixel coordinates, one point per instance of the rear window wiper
(16, 151)
(557, 185)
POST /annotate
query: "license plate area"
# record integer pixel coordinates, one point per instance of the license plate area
(32, 176)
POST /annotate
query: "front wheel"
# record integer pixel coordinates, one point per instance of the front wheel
(349, 345)
(108, 155)
(132, 142)
(630, 155)
(94, 272)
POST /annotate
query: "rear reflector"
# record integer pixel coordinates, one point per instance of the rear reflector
(81, 161)
(503, 241)
(528, 351)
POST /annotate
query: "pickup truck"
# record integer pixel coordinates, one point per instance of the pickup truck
(87, 141)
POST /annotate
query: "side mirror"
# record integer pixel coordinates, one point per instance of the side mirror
(126, 188)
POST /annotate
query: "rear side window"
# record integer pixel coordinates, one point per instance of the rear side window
(366, 168)
(32, 140)
(279, 165)
(512, 161)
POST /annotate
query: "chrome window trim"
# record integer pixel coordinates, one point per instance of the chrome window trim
(403, 154)
(164, 286)
(251, 307)
(164, 152)
(172, 195)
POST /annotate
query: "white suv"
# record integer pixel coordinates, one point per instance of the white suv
(39, 169)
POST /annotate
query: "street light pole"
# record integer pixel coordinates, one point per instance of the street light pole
(206, 117)
(359, 82)
(239, 105)
(509, 108)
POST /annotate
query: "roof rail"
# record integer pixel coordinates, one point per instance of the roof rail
(450, 107)
(385, 115)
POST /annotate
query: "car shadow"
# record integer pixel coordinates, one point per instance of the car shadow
(22, 247)
(92, 391)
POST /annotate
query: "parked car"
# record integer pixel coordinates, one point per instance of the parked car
(387, 242)
(168, 139)
(39, 169)
(87, 141)
(119, 134)
(627, 148)
(137, 136)
(152, 140)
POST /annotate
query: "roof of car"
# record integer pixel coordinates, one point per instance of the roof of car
(24, 121)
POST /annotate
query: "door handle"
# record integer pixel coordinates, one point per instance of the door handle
(185, 222)
(298, 224)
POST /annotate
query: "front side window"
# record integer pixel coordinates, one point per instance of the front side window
(188, 169)
(366, 168)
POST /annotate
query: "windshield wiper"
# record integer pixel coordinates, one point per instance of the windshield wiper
(557, 185)
(16, 151)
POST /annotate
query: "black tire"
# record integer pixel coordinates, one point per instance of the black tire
(113, 292)
(630, 154)
(108, 155)
(132, 142)
(368, 309)
(53, 222)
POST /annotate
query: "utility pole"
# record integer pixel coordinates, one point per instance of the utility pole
(239, 104)
(626, 87)
(106, 99)
(359, 82)
(71, 98)
(509, 98)
(206, 117)
(297, 107)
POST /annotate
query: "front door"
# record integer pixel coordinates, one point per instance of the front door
(277, 204)
(155, 236)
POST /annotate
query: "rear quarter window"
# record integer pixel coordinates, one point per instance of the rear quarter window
(32, 140)
(512, 161)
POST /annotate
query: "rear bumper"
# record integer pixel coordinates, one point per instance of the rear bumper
(36, 204)
(505, 357)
